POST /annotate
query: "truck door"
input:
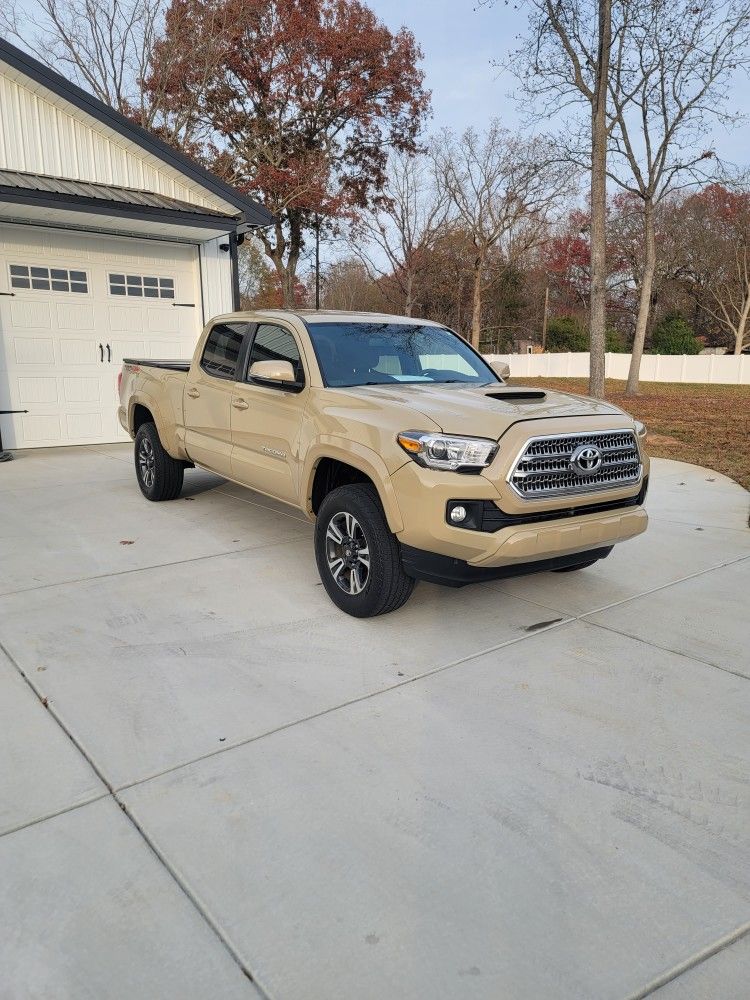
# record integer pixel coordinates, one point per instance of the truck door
(266, 420)
(207, 398)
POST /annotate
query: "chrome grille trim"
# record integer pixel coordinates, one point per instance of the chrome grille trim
(542, 469)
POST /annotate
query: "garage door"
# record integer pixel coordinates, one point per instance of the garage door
(71, 307)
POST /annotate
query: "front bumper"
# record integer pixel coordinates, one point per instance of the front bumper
(424, 495)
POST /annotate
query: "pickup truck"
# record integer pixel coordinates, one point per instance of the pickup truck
(411, 454)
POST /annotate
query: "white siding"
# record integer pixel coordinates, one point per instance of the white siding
(41, 134)
(216, 272)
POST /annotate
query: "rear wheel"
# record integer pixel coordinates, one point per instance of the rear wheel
(358, 557)
(159, 475)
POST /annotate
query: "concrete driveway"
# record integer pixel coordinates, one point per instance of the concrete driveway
(215, 785)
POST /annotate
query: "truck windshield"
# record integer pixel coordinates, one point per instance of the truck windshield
(391, 353)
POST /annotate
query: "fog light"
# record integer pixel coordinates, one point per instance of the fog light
(457, 514)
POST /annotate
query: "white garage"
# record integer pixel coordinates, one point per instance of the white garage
(111, 244)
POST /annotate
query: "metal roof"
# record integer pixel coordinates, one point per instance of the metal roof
(101, 192)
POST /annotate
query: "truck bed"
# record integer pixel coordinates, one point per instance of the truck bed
(174, 366)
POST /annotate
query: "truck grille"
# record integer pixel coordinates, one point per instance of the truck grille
(569, 464)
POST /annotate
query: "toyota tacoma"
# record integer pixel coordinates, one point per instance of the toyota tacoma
(409, 451)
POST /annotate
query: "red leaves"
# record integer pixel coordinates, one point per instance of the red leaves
(303, 98)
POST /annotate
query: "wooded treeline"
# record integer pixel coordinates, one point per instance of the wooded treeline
(608, 219)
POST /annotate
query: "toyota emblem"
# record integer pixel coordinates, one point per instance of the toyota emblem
(586, 460)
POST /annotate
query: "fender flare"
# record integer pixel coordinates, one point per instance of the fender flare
(360, 457)
(170, 441)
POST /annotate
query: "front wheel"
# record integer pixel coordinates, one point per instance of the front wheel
(159, 475)
(359, 559)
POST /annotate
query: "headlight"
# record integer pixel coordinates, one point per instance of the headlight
(640, 429)
(442, 451)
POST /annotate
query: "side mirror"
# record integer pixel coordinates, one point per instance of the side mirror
(501, 368)
(272, 371)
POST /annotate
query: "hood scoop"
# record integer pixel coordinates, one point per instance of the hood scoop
(519, 395)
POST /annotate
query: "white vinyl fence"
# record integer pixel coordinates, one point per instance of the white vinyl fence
(699, 368)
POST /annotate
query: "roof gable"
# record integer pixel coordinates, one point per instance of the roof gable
(53, 127)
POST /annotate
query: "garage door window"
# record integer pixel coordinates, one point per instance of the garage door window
(141, 286)
(48, 279)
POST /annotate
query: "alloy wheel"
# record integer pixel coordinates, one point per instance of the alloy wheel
(347, 553)
(146, 463)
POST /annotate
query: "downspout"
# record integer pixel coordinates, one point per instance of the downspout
(233, 256)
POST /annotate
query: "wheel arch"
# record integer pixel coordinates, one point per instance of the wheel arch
(331, 464)
(142, 408)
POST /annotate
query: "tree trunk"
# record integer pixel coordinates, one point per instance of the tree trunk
(598, 307)
(739, 334)
(288, 281)
(476, 307)
(408, 304)
(644, 301)
(288, 270)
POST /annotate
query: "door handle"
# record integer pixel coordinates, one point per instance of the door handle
(101, 353)
(239, 404)
(193, 393)
(109, 353)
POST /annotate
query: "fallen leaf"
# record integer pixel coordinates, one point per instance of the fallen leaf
(127, 541)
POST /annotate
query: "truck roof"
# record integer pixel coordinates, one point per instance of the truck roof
(327, 316)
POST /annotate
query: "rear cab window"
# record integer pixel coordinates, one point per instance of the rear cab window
(222, 349)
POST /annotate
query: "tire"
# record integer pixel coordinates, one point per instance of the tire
(361, 587)
(159, 475)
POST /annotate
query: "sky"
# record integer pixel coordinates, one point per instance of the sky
(460, 40)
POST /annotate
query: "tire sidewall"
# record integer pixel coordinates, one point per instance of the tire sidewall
(146, 431)
(365, 603)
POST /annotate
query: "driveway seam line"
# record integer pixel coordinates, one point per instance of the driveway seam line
(691, 962)
(56, 812)
(146, 569)
(666, 649)
(500, 584)
(131, 819)
(346, 704)
(665, 586)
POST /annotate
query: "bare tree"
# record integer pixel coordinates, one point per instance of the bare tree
(716, 262)
(565, 60)
(108, 47)
(401, 228)
(502, 190)
(671, 65)
(347, 284)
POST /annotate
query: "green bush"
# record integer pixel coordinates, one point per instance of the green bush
(566, 334)
(615, 342)
(673, 335)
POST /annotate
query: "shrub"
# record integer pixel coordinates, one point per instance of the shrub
(615, 342)
(673, 335)
(566, 334)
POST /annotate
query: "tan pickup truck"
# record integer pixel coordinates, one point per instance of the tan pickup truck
(407, 449)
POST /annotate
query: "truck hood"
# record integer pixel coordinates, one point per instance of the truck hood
(484, 411)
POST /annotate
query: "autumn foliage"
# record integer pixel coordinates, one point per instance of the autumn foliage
(300, 110)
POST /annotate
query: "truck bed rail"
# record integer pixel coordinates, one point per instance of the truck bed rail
(175, 366)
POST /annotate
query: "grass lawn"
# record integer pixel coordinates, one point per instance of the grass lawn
(704, 424)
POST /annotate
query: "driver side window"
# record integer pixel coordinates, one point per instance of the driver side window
(274, 343)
